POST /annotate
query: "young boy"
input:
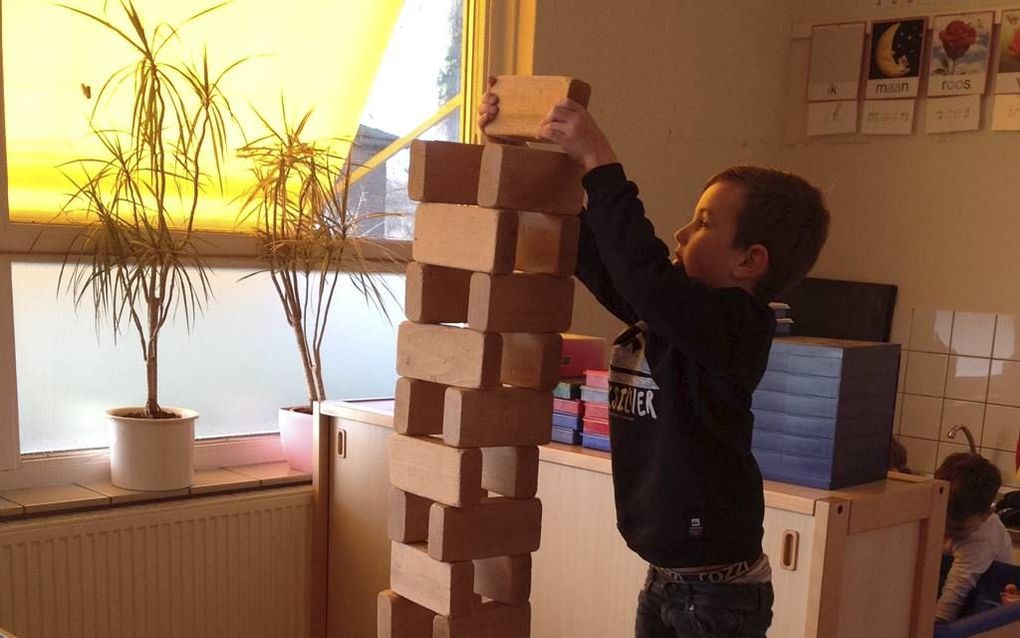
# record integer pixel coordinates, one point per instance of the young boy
(974, 534)
(688, 491)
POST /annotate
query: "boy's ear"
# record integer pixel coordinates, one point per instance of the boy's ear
(755, 263)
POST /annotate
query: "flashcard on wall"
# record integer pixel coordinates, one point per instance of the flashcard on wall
(832, 118)
(1006, 113)
(888, 117)
(960, 46)
(837, 51)
(894, 67)
(953, 114)
(1007, 78)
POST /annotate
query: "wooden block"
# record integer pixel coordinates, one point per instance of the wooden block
(418, 407)
(524, 101)
(436, 294)
(530, 179)
(492, 620)
(398, 617)
(408, 517)
(445, 588)
(449, 355)
(465, 237)
(502, 417)
(506, 579)
(520, 302)
(427, 468)
(497, 526)
(531, 360)
(444, 172)
(510, 471)
(547, 244)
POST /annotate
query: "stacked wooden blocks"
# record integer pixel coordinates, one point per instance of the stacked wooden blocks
(488, 293)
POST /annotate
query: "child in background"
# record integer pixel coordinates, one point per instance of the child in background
(974, 534)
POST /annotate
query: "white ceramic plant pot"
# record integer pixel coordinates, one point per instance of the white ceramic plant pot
(296, 438)
(152, 454)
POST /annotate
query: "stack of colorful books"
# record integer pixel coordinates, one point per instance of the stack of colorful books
(595, 419)
(568, 411)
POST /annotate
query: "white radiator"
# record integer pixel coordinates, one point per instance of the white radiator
(232, 565)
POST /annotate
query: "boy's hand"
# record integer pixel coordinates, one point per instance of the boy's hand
(571, 126)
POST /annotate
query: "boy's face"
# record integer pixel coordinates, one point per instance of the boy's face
(705, 244)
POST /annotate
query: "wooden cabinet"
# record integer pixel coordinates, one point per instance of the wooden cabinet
(861, 561)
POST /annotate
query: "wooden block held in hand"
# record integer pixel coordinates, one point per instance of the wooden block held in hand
(525, 100)
(520, 302)
(444, 172)
(426, 467)
(445, 588)
(506, 579)
(547, 244)
(530, 179)
(510, 471)
(398, 617)
(531, 360)
(492, 620)
(408, 518)
(418, 407)
(465, 237)
(492, 418)
(497, 526)
(436, 294)
(449, 355)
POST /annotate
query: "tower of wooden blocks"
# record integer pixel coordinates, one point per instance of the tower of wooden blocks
(488, 293)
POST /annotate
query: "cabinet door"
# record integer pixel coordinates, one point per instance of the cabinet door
(359, 550)
(788, 543)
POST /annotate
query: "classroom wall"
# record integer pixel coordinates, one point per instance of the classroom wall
(682, 89)
(686, 88)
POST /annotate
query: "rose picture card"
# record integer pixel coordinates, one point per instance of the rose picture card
(896, 51)
(834, 71)
(960, 51)
(1007, 78)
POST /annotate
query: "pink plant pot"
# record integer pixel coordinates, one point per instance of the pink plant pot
(296, 438)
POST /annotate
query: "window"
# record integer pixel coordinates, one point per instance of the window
(381, 74)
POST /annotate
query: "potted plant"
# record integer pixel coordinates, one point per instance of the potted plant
(297, 206)
(135, 259)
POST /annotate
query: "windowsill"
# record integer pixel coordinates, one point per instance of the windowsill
(35, 501)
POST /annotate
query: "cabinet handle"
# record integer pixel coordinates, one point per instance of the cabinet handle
(341, 443)
(790, 542)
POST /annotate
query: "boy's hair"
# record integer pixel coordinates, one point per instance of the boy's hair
(973, 484)
(785, 214)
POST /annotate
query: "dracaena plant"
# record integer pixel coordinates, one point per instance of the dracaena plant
(136, 260)
(309, 238)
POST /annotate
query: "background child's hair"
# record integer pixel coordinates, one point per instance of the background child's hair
(785, 214)
(973, 484)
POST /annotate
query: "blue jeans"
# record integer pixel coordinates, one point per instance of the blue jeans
(669, 609)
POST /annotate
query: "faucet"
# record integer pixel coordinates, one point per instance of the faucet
(951, 434)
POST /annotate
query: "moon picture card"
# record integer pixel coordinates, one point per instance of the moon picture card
(1007, 80)
(960, 46)
(837, 51)
(894, 68)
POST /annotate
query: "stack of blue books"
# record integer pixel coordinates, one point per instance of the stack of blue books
(567, 412)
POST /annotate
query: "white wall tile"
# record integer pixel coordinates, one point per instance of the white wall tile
(922, 416)
(901, 380)
(967, 378)
(926, 374)
(1007, 337)
(945, 449)
(920, 454)
(931, 330)
(973, 333)
(965, 413)
(1006, 462)
(900, 330)
(1002, 424)
(1003, 382)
